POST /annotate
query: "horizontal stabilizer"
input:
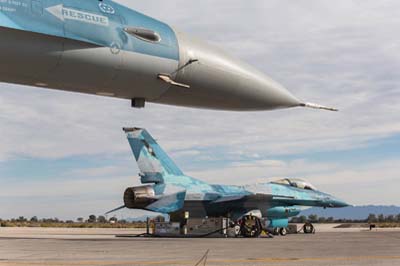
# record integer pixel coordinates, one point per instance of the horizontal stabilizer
(116, 209)
(169, 203)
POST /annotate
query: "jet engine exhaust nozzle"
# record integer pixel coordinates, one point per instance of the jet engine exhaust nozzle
(139, 197)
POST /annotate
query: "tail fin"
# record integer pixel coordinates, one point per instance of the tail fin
(152, 161)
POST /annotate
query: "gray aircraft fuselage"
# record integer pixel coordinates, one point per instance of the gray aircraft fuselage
(104, 48)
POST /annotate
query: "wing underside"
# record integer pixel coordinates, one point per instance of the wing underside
(254, 197)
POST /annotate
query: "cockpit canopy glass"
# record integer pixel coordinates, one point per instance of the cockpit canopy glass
(298, 183)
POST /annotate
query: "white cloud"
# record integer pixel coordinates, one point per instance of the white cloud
(262, 171)
(260, 163)
(110, 171)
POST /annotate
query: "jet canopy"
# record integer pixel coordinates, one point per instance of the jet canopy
(295, 182)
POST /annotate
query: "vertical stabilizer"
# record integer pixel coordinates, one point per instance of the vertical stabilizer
(152, 161)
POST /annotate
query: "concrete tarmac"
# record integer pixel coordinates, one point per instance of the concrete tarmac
(69, 247)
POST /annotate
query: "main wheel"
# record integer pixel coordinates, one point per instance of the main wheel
(283, 231)
(308, 228)
(250, 226)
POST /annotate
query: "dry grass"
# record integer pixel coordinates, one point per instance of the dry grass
(388, 225)
(72, 225)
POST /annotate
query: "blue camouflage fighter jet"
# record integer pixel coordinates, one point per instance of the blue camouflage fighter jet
(103, 48)
(168, 190)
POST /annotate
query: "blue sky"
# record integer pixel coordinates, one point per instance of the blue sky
(65, 155)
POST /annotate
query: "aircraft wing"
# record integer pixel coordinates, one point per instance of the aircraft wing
(228, 199)
(253, 197)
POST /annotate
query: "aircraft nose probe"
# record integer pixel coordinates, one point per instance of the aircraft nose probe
(317, 106)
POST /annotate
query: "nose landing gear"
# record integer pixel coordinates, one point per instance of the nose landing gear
(280, 231)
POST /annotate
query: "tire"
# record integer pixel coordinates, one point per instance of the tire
(283, 231)
(250, 227)
(308, 228)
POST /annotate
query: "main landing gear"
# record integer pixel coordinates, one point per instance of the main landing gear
(308, 228)
(250, 226)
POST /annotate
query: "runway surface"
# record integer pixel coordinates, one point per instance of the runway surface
(100, 247)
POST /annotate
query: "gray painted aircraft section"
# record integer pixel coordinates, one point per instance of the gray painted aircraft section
(104, 48)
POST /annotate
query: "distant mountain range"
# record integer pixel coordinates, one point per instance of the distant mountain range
(353, 212)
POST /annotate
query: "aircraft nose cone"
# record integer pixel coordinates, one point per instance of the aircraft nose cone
(268, 94)
(341, 204)
(337, 203)
(218, 81)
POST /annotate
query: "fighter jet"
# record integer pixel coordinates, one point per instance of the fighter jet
(166, 189)
(101, 47)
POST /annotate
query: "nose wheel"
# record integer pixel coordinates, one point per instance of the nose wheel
(283, 231)
(280, 231)
(251, 227)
